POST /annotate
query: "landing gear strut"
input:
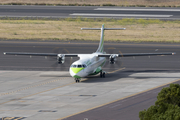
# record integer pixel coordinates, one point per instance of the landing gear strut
(77, 80)
(102, 74)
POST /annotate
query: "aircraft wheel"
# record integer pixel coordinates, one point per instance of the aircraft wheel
(103, 75)
(77, 80)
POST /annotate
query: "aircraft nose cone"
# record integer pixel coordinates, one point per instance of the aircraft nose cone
(75, 72)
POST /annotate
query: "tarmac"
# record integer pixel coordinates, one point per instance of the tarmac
(51, 95)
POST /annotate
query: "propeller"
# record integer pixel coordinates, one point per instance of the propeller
(113, 62)
(62, 66)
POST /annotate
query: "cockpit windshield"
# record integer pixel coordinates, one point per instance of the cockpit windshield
(74, 66)
(78, 66)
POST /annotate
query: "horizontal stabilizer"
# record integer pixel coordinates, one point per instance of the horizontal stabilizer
(114, 28)
(90, 28)
(104, 28)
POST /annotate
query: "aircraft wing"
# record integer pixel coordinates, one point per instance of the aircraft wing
(135, 54)
(76, 55)
(39, 54)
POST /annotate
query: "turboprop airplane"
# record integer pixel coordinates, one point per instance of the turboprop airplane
(89, 64)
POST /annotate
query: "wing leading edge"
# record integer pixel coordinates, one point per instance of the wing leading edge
(135, 54)
(39, 54)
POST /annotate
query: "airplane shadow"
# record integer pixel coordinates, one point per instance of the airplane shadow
(127, 74)
(111, 76)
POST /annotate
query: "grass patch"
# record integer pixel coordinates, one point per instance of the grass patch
(23, 22)
(137, 30)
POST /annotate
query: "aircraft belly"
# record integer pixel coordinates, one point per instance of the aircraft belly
(83, 74)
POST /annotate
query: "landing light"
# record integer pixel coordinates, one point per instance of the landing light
(173, 53)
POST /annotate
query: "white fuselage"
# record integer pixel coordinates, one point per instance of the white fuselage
(87, 64)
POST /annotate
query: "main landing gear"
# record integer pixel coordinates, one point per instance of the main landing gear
(102, 74)
(77, 80)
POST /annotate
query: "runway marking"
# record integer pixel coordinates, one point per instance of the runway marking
(31, 87)
(12, 118)
(115, 106)
(119, 9)
(119, 15)
(117, 100)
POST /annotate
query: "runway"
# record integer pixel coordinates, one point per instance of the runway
(33, 88)
(44, 64)
(89, 12)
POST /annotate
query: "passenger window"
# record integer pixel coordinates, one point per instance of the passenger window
(74, 66)
(84, 66)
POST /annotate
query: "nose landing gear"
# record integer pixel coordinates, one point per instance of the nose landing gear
(77, 80)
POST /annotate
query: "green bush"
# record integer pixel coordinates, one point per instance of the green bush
(167, 106)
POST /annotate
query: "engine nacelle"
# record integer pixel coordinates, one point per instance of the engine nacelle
(112, 59)
(61, 58)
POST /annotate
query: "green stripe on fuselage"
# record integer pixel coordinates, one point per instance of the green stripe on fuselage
(76, 76)
(98, 70)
